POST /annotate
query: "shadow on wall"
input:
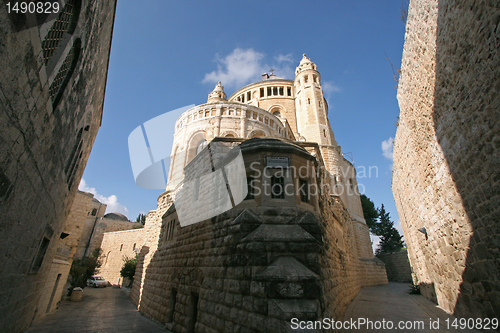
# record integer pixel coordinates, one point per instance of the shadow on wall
(135, 294)
(466, 119)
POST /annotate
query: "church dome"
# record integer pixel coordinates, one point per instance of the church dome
(116, 216)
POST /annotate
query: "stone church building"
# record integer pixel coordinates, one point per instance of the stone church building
(295, 245)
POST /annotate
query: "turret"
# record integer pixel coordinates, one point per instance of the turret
(310, 105)
(217, 95)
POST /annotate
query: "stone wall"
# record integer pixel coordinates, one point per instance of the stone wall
(256, 266)
(47, 130)
(75, 223)
(445, 176)
(96, 211)
(115, 247)
(53, 289)
(397, 266)
(105, 225)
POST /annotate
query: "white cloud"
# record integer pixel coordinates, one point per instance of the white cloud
(328, 89)
(237, 68)
(387, 147)
(113, 206)
(284, 58)
(241, 67)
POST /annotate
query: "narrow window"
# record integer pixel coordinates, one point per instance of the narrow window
(196, 189)
(250, 186)
(133, 248)
(261, 92)
(170, 230)
(275, 91)
(121, 247)
(289, 91)
(42, 249)
(192, 312)
(306, 79)
(281, 91)
(249, 96)
(304, 190)
(269, 91)
(308, 101)
(324, 132)
(171, 305)
(277, 187)
(242, 98)
(94, 212)
(61, 80)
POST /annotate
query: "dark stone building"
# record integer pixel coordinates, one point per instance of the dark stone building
(52, 84)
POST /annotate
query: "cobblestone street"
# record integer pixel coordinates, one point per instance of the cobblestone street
(101, 310)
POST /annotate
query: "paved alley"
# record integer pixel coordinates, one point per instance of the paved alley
(103, 310)
(391, 302)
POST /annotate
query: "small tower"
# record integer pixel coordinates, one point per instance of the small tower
(217, 95)
(310, 105)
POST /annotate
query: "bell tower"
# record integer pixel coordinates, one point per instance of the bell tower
(310, 105)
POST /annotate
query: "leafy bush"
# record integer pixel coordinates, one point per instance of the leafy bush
(128, 269)
(83, 269)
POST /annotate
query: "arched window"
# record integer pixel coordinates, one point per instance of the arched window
(201, 145)
(277, 113)
(257, 134)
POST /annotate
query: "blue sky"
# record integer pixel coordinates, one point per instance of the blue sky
(169, 54)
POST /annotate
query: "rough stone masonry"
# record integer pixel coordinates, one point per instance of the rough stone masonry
(52, 83)
(446, 175)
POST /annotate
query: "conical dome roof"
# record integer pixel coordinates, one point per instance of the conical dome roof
(217, 95)
(304, 64)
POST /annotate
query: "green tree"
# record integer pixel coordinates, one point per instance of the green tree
(83, 269)
(128, 269)
(370, 212)
(141, 218)
(390, 239)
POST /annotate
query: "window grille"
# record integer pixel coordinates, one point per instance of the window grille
(62, 24)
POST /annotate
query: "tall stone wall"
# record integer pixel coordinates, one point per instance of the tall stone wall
(46, 133)
(397, 266)
(445, 176)
(116, 246)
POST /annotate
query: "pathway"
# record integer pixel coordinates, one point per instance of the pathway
(101, 310)
(391, 302)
